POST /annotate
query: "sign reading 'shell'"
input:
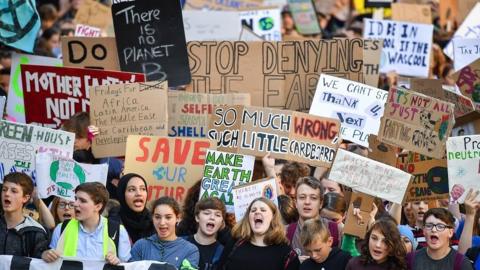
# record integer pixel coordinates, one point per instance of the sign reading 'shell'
(151, 39)
(285, 134)
(416, 122)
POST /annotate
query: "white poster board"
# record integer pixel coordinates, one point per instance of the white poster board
(266, 23)
(463, 161)
(407, 45)
(369, 176)
(59, 176)
(470, 28)
(222, 172)
(205, 25)
(243, 195)
(465, 51)
(358, 106)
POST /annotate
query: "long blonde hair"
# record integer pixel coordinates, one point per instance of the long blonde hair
(275, 234)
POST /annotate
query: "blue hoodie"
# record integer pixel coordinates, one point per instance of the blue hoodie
(172, 252)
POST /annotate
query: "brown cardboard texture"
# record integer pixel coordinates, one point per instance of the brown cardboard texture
(353, 226)
(414, 13)
(94, 14)
(381, 152)
(372, 53)
(468, 79)
(86, 52)
(120, 110)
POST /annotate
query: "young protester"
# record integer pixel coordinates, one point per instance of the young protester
(210, 215)
(287, 208)
(317, 243)
(164, 245)
(472, 206)
(291, 172)
(62, 210)
(261, 241)
(418, 211)
(333, 207)
(438, 226)
(19, 235)
(381, 250)
(89, 235)
(331, 186)
(309, 201)
(132, 195)
(407, 238)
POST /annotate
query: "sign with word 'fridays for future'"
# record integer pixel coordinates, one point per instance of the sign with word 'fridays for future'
(358, 106)
(369, 176)
(59, 176)
(151, 40)
(222, 172)
(407, 45)
(53, 94)
(463, 157)
(21, 142)
(170, 165)
(416, 122)
(285, 134)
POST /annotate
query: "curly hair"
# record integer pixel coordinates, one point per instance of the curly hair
(396, 252)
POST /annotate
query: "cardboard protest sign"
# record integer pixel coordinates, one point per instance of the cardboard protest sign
(20, 24)
(448, 10)
(221, 5)
(381, 152)
(407, 45)
(203, 25)
(248, 35)
(369, 176)
(120, 110)
(151, 40)
(266, 23)
(54, 94)
(463, 158)
(433, 88)
(277, 75)
(86, 52)
(465, 51)
(82, 30)
(378, 3)
(373, 58)
(170, 165)
(470, 28)
(416, 122)
(59, 176)
(357, 106)
(324, 6)
(189, 113)
(243, 195)
(222, 172)
(468, 80)
(415, 13)
(304, 16)
(353, 225)
(15, 103)
(21, 142)
(285, 134)
(430, 177)
(95, 14)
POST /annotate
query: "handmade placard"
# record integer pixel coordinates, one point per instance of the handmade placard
(468, 29)
(243, 195)
(96, 53)
(359, 107)
(266, 23)
(222, 172)
(120, 110)
(468, 80)
(305, 17)
(416, 122)
(465, 51)
(284, 134)
(203, 25)
(369, 176)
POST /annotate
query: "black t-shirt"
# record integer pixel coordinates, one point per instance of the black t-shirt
(336, 260)
(207, 254)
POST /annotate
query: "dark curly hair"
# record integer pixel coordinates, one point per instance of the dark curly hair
(396, 252)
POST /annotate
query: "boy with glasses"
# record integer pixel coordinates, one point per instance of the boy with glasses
(438, 226)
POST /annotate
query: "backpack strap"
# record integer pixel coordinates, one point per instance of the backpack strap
(218, 253)
(333, 228)
(458, 261)
(64, 225)
(290, 256)
(114, 232)
(291, 231)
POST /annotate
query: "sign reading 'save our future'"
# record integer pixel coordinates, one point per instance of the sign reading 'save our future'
(151, 40)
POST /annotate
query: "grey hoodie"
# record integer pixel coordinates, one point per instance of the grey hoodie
(28, 238)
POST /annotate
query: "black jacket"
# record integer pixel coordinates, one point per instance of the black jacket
(337, 260)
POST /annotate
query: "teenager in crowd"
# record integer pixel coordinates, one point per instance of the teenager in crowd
(289, 175)
(309, 201)
(210, 216)
(19, 235)
(472, 206)
(419, 208)
(438, 226)
(288, 210)
(261, 241)
(317, 243)
(164, 245)
(132, 195)
(62, 209)
(333, 207)
(408, 239)
(89, 235)
(381, 249)
(331, 186)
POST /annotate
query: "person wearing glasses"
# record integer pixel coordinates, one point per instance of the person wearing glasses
(61, 210)
(438, 226)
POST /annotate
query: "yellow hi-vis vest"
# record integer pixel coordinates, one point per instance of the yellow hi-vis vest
(70, 235)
